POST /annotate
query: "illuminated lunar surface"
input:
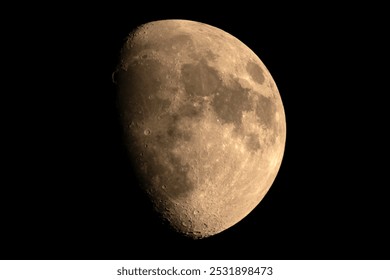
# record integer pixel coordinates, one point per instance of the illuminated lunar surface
(203, 121)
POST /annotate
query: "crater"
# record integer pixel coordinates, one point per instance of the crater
(255, 72)
(200, 79)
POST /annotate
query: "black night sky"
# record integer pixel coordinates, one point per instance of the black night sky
(70, 194)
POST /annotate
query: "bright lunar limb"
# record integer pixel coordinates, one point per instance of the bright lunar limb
(203, 122)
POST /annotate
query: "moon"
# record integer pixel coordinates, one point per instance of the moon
(203, 122)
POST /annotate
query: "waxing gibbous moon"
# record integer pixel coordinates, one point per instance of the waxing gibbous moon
(203, 121)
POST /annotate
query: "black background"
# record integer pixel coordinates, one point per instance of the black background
(68, 192)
